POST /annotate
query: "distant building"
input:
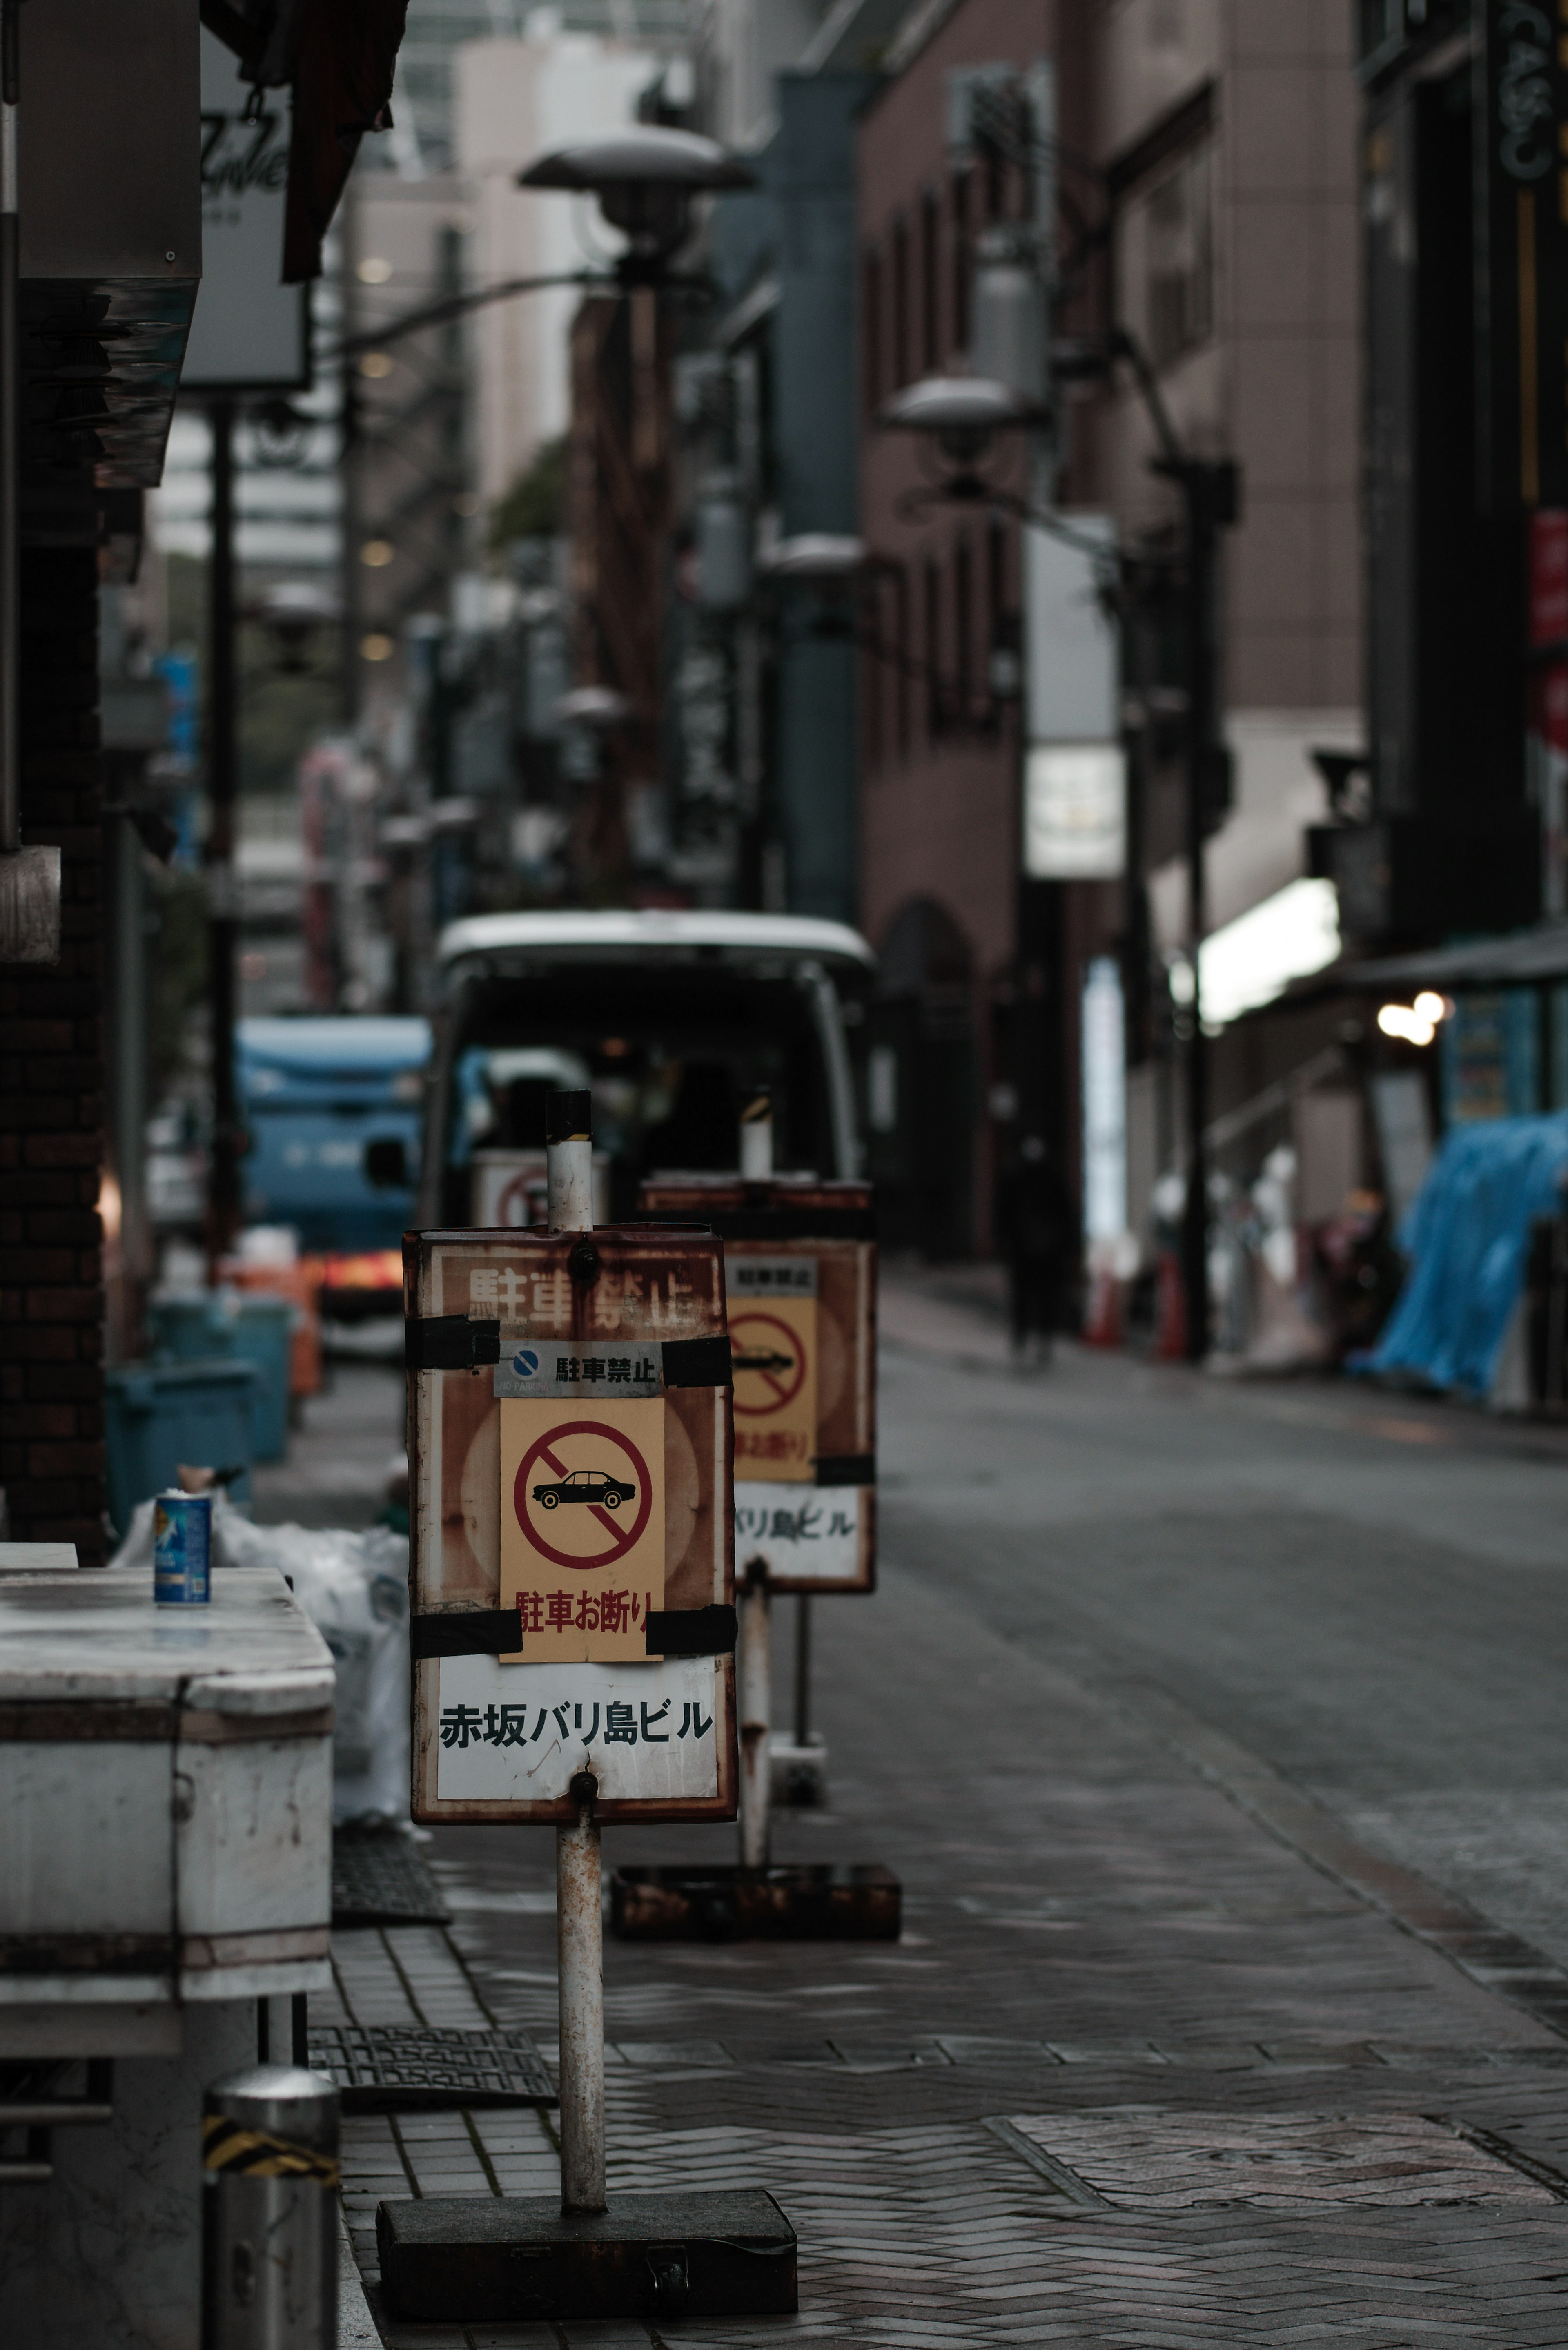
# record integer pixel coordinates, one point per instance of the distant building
(512, 101)
(1207, 169)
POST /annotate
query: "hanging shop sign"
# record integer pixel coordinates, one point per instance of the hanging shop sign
(571, 1524)
(800, 1271)
(1521, 255)
(251, 332)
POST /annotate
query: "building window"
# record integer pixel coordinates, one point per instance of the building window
(964, 633)
(933, 650)
(930, 285)
(903, 657)
(900, 303)
(873, 685)
(1001, 621)
(961, 184)
(871, 331)
(1165, 257)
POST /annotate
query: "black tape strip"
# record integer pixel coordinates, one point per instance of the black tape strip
(698, 1362)
(847, 1469)
(450, 1342)
(469, 1632)
(498, 1632)
(692, 1632)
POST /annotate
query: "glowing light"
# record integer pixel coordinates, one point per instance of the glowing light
(376, 553)
(1408, 1022)
(1253, 959)
(108, 1207)
(376, 647)
(1433, 1007)
(376, 364)
(373, 272)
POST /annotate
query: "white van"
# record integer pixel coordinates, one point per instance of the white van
(668, 1017)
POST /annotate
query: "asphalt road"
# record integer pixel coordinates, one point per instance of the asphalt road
(1367, 1591)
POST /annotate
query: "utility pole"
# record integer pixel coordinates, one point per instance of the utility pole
(352, 624)
(222, 780)
(1020, 359)
(1211, 490)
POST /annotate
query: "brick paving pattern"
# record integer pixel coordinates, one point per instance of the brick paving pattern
(1136, 1950)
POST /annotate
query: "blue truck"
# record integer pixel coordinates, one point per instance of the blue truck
(334, 1110)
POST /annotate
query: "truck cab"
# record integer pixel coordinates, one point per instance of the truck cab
(669, 1018)
(332, 1110)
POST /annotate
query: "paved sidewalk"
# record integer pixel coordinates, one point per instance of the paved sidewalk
(1167, 2054)
(1097, 1932)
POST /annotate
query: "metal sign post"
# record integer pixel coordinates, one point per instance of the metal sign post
(800, 1273)
(579, 1913)
(574, 1628)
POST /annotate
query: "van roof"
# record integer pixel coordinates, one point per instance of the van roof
(653, 930)
(364, 1042)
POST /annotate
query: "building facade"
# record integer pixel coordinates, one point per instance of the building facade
(1205, 173)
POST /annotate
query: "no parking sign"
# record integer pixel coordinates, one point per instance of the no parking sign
(800, 1269)
(582, 1526)
(572, 1523)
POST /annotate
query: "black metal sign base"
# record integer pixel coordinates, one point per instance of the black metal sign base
(475, 2259)
(764, 1905)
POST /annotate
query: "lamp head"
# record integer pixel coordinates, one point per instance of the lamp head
(598, 708)
(962, 413)
(817, 559)
(645, 178)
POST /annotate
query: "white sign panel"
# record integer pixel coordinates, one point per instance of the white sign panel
(250, 331)
(1071, 651)
(804, 1533)
(520, 1733)
(1075, 812)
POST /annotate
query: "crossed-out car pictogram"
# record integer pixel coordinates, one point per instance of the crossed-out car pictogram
(585, 1485)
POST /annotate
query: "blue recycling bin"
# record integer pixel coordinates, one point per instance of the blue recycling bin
(159, 1417)
(251, 1326)
(264, 1337)
(194, 1328)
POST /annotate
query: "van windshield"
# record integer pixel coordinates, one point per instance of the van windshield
(669, 1057)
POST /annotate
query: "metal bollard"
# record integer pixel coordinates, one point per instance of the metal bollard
(754, 1687)
(269, 2223)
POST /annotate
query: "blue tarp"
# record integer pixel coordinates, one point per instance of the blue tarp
(1466, 1237)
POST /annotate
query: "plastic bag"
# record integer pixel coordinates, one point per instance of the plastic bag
(353, 1584)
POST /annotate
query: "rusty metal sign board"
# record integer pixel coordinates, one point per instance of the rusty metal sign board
(800, 1269)
(571, 1524)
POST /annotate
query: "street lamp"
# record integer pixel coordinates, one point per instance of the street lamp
(817, 559)
(962, 415)
(291, 612)
(645, 178)
(600, 709)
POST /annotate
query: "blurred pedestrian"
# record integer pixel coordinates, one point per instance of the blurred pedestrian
(1032, 1221)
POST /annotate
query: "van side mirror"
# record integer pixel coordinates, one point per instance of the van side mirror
(387, 1165)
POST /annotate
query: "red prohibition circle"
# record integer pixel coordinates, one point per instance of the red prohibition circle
(765, 1410)
(520, 1495)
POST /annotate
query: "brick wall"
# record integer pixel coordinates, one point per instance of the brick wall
(51, 1090)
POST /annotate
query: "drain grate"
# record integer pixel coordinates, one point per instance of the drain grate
(383, 2068)
(380, 1880)
(1144, 2158)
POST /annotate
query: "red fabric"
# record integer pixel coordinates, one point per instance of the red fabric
(342, 87)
